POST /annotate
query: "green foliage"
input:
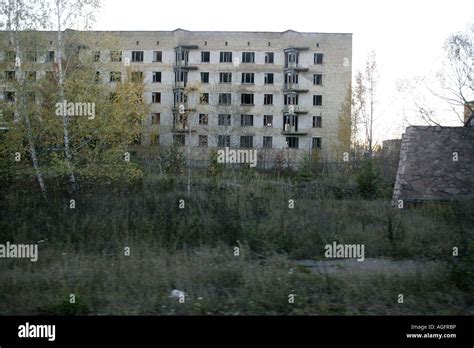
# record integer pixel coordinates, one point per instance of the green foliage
(173, 160)
(368, 180)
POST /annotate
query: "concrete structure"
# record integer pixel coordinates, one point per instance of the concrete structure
(436, 164)
(265, 90)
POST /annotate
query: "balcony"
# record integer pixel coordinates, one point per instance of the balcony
(294, 109)
(294, 87)
(184, 64)
(180, 123)
(295, 66)
(292, 130)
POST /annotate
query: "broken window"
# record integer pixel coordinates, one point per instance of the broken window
(247, 99)
(267, 142)
(205, 77)
(10, 75)
(246, 120)
(156, 76)
(246, 141)
(268, 78)
(116, 56)
(137, 76)
(291, 77)
(10, 96)
(292, 142)
(155, 139)
(50, 56)
(203, 119)
(157, 56)
(225, 98)
(269, 56)
(179, 139)
(224, 120)
(156, 97)
(96, 56)
(268, 120)
(115, 76)
(316, 143)
(155, 118)
(317, 121)
(203, 140)
(223, 140)
(290, 99)
(204, 98)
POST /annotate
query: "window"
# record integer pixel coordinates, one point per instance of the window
(205, 57)
(10, 96)
(292, 142)
(116, 56)
(317, 121)
(204, 98)
(267, 142)
(157, 56)
(316, 143)
(248, 57)
(225, 77)
(268, 120)
(180, 97)
(156, 97)
(224, 120)
(10, 75)
(31, 75)
(179, 139)
(112, 96)
(155, 139)
(269, 57)
(318, 79)
(226, 57)
(181, 76)
(317, 100)
(290, 99)
(223, 140)
(96, 56)
(205, 77)
(269, 78)
(203, 140)
(203, 119)
(31, 56)
(246, 120)
(97, 76)
(246, 99)
(291, 78)
(246, 141)
(137, 139)
(115, 76)
(225, 98)
(156, 76)
(155, 118)
(137, 76)
(318, 58)
(50, 56)
(267, 99)
(248, 77)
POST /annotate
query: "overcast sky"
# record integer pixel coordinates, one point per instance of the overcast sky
(407, 35)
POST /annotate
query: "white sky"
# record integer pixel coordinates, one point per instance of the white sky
(407, 35)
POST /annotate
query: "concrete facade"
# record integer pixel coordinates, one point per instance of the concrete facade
(181, 52)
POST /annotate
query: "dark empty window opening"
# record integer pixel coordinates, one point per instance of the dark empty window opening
(247, 99)
(248, 57)
(225, 57)
(205, 57)
(137, 56)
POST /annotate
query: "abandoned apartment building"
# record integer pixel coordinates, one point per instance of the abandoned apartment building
(263, 90)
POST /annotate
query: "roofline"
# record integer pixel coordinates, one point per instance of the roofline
(190, 31)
